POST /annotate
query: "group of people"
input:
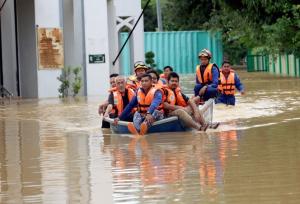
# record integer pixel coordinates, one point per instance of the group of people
(146, 96)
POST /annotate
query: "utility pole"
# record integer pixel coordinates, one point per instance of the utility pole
(159, 18)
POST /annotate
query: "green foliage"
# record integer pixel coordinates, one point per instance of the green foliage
(66, 78)
(76, 85)
(150, 59)
(269, 26)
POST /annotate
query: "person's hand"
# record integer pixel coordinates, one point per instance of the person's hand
(116, 121)
(100, 110)
(202, 91)
(149, 118)
(106, 115)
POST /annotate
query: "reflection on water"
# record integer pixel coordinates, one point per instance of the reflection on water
(54, 152)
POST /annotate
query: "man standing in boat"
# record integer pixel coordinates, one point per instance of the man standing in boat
(118, 99)
(229, 82)
(178, 104)
(207, 77)
(149, 107)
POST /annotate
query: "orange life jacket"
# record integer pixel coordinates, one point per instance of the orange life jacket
(118, 101)
(175, 98)
(162, 76)
(144, 101)
(207, 75)
(227, 85)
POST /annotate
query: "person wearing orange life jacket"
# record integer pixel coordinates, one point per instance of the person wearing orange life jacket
(229, 82)
(147, 101)
(139, 69)
(155, 78)
(118, 99)
(164, 76)
(178, 104)
(207, 77)
(102, 107)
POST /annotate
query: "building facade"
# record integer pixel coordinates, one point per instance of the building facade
(40, 37)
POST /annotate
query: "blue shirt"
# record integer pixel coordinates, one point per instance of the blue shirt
(215, 77)
(134, 103)
(237, 82)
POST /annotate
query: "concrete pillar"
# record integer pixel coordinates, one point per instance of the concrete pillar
(8, 52)
(96, 43)
(74, 36)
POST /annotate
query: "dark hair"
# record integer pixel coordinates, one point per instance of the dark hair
(168, 67)
(146, 75)
(225, 62)
(154, 72)
(173, 75)
(113, 75)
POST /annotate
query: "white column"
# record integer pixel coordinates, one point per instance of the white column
(96, 42)
(47, 15)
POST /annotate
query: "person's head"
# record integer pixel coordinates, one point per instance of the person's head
(204, 56)
(154, 75)
(120, 83)
(226, 67)
(146, 81)
(173, 80)
(112, 80)
(140, 68)
(167, 70)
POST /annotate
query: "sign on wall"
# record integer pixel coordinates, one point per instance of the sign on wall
(50, 48)
(98, 58)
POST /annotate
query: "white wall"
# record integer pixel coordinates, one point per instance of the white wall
(133, 8)
(47, 15)
(96, 42)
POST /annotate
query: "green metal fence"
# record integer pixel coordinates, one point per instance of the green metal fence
(283, 65)
(177, 49)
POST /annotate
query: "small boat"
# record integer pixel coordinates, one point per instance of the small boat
(170, 124)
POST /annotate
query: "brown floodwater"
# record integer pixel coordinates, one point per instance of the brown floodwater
(53, 151)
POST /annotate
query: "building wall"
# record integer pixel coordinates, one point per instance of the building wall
(9, 58)
(96, 42)
(47, 15)
(27, 48)
(127, 8)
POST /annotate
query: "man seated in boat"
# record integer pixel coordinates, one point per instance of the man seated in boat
(178, 104)
(164, 76)
(149, 107)
(103, 105)
(134, 80)
(118, 99)
(155, 78)
(229, 82)
(207, 77)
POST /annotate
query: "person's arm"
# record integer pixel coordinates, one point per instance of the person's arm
(239, 86)
(108, 110)
(102, 107)
(215, 77)
(156, 101)
(128, 108)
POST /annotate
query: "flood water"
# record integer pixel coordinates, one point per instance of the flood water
(53, 151)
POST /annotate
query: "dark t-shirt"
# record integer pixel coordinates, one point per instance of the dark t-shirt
(124, 98)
